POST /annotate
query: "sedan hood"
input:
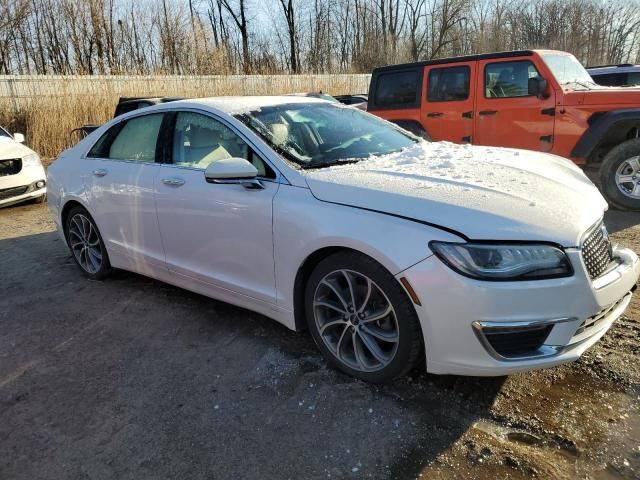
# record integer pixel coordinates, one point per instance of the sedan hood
(482, 193)
(10, 149)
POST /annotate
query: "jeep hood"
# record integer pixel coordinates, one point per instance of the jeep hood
(11, 149)
(482, 193)
(598, 95)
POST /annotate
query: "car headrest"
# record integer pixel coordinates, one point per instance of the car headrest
(200, 137)
(279, 132)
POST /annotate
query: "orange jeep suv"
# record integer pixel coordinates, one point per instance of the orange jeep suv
(540, 100)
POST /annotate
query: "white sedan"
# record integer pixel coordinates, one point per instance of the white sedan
(22, 176)
(389, 249)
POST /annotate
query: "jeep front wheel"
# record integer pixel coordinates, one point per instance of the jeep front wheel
(620, 175)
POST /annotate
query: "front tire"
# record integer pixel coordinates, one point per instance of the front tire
(361, 319)
(86, 244)
(620, 175)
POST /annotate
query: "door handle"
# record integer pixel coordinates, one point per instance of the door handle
(487, 112)
(467, 114)
(173, 181)
(434, 114)
(100, 172)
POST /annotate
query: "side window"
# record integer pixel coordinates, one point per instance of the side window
(397, 89)
(200, 140)
(508, 79)
(134, 139)
(632, 78)
(448, 84)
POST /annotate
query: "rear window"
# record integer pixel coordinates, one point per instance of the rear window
(397, 89)
(448, 84)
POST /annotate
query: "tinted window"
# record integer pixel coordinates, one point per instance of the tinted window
(611, 79)
(200, 140)
(133, 139)
(633, 78)
(508, 79)
(397, 89)
(448, 84)
(4, 133)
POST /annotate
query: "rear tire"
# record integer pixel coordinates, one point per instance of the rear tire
(86, 244)
(361, 319)
(620, 175)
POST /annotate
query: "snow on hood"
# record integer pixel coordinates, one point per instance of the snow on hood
(482, 192)
(9, 148)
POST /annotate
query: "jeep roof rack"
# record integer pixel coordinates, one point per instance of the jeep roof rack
(612, 65)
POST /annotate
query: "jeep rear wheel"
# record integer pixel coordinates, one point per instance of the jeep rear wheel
(620, 175)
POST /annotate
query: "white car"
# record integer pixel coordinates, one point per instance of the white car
(22, 176)
(389, 249)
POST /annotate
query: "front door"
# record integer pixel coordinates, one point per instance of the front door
(121, 169)
(217, 234)
(506, 115)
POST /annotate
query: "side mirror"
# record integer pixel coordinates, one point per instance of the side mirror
(233, 171)
(18, 137)
(537, 87)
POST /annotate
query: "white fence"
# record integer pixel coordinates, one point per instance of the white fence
(24, 88)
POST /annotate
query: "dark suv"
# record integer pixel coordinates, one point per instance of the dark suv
(624, 75)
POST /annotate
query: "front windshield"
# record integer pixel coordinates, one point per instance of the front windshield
(323, 134)
(567, 69)
(4, 133)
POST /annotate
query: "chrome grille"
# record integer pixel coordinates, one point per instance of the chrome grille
(596, 250)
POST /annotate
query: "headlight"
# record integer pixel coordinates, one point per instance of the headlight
(504, 261)
(31, 160)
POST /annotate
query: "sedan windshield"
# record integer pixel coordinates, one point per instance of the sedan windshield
(4, 133)
(321, 134)
(567, 69)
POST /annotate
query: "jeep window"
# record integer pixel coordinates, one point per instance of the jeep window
(508, 79)
(567, 69)
(397, 89)
(448, 84)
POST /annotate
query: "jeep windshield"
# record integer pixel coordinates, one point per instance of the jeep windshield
(568, 70)
(321, 134)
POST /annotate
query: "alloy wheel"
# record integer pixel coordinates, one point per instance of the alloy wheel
(85, 243)
(628, 177)
(356, 320)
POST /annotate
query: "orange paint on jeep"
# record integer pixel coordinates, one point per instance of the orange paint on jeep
(539, 100)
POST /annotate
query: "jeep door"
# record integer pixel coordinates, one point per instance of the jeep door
(447, 107)
(506, 114)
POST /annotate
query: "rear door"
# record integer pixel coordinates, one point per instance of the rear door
(121, 168)
(447, 107)
(395, 95)
(506, 115)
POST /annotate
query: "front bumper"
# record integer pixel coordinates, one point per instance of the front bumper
(457, 311)
(22, 186)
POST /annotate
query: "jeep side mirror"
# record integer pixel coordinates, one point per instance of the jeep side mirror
(537, 87)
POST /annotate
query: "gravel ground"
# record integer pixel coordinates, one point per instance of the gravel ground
(131, 378)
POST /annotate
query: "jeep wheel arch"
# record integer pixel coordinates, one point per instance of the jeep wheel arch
(605, 132)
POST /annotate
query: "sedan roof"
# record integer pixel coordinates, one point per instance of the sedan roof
(239, 104)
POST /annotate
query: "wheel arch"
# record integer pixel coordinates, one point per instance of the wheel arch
(307, 267)
(606, 130)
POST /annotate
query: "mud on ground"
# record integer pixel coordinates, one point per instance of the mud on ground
(131, 378)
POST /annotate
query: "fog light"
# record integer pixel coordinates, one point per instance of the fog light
(40, 184)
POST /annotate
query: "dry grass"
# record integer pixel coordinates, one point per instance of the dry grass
(47, 109)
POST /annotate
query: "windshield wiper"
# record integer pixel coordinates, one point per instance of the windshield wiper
(310, 165)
